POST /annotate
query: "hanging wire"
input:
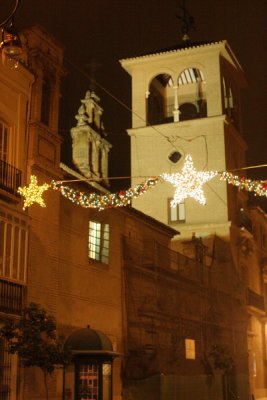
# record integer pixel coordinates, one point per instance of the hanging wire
(96, 83)
(12, 13)
(170, 140)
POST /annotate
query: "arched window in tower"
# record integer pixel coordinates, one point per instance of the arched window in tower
(233, 112)
(230, 102)
(191, 94)
(160, 100)
(224, 96)
(46, 100)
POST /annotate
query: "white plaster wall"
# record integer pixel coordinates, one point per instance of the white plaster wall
(204, 140)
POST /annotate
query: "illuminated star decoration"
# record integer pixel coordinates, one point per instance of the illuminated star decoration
(33, 193)
(189, 182)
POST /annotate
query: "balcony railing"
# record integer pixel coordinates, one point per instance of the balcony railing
(12, 297)
(152, 255)
(255, 300)
(10, 178)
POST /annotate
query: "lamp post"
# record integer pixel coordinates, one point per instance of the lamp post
(11, 45)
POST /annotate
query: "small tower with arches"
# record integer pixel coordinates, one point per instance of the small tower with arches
(90, 148)
(186, 100)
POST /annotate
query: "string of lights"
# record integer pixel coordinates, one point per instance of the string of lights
(100, 202)
(188, 183)
(259, 188)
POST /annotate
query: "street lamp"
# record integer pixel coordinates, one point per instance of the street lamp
(11, 45)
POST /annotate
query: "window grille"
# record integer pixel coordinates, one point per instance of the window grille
(88, 382)
(5, 372)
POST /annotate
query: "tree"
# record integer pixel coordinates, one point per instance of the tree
(35, 340)
(224, 362)
(222, 359)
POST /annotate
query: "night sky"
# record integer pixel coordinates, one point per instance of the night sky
(109, 30)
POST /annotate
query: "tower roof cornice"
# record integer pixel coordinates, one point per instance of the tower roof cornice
(184, 49)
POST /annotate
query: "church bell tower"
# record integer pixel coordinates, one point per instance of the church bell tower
(186, 101)
(90, 147)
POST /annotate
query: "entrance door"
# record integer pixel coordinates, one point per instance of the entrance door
(93, 380)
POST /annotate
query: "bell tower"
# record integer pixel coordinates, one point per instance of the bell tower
(186, 100)
(90, 148)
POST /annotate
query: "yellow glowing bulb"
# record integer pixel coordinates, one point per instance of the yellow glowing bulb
(33, 193)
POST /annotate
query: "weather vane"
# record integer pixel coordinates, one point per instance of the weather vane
(188, 22)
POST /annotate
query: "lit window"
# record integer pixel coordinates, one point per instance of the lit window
(254, 365)
(88, 381)
(190, 352)
(176, 214)
(3, 141)
(94, 380)
(13, 248)
(98, 241)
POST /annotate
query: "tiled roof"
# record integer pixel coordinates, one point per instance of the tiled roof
(173, 49)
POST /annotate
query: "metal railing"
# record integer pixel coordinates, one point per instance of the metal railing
(12, 297)
(161, 117)
(10, 178)
(152, 255)
(5, 372)
(255, 300)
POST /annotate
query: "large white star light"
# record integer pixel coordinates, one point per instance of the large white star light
(189, 183)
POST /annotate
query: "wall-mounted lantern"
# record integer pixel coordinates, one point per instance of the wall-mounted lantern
(11, 45)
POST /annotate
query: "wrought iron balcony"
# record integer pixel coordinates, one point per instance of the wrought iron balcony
(10, 178)
(255, 300)
(12, 297)
(153, 256)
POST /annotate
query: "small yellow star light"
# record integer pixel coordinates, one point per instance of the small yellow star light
(33, 193)
(189, 183)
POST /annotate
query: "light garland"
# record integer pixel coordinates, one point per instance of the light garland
(258, 187)
(189, 183)
(94, 200)
(33, 193)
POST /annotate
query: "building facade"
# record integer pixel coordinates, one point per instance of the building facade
(141, 319)
(64, 257)
(187, 101)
